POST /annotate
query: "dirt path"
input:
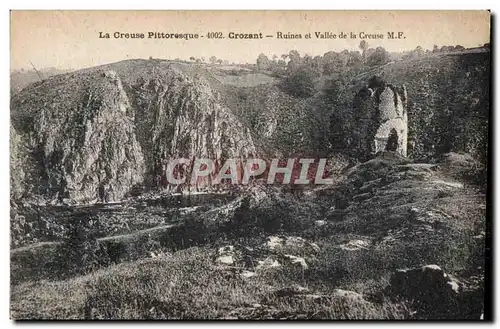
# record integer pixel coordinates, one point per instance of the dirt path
(107, 238)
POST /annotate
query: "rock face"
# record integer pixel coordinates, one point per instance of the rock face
(381, 111)
(96, 133)
(76, 134)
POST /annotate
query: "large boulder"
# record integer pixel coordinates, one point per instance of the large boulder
(433, 293)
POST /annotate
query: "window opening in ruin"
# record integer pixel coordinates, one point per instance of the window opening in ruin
(392, 141)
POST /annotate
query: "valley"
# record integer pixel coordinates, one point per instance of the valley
(98, 230)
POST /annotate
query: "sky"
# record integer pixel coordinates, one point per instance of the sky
(70, 39)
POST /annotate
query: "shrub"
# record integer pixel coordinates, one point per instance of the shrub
(379, 57)
(80, 251)
(300, 83)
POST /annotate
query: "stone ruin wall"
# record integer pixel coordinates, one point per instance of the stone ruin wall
(382, 119)
(392, 116)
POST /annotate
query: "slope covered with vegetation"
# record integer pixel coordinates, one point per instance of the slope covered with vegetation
(392, 238)
(448, 96)
(115, 127)
(334, 253)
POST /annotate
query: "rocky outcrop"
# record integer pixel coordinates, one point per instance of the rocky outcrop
(77, 135)
(420, 283)
(435, 294)
(94, 134)
(180, 117)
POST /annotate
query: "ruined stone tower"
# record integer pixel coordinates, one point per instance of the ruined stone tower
(381, 118)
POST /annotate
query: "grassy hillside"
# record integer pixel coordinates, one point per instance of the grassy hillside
(23, 78)
(329, 254)
(184, 285)
(448, 106)
(392, 238)
(448, 97)
(449, 102)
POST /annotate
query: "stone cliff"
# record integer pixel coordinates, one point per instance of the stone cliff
(107, 129)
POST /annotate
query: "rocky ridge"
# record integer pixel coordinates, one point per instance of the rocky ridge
(108, 129)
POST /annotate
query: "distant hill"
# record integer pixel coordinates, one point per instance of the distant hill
(21, 78)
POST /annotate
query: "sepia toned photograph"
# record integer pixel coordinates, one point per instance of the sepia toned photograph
(250, 165)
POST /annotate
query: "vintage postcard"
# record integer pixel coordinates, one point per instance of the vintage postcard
(246, 165)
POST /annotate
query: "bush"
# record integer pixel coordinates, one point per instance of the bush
(80, 251)
(300, 83)
(379, 57)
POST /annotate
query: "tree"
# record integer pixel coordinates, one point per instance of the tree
(329, 62)
(343, 57)
(419, 51)
(368, 53)
(435, 49)
(355, 60)
(445, 49)
(334, 63)
(379, 57)
(263, 62)
(307, 60)
(80, 250)
(363, 45)
(333, 112)
(213, 59)
(300, 82)
(192, 58)
(294, 60)
(317, 64)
